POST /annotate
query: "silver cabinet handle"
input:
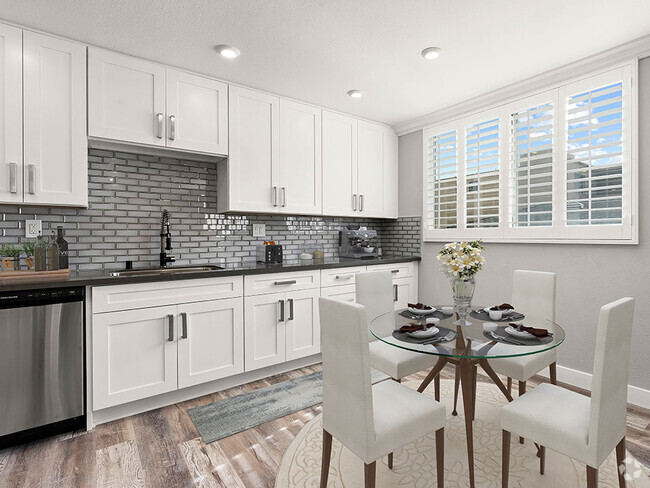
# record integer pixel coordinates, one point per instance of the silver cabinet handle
(160, 125)
(287, 282)
(31, 179)
(172, 127)
(394, 271)
(354, 202)
(170, 335)
(360, 203)
(281, 305)
(344, 277)
(290, 308)
(275, 196)
(13, 188)
(284, 196)
(395, 293)
(184, 325)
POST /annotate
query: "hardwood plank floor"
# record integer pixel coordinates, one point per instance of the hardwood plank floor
(162, 448)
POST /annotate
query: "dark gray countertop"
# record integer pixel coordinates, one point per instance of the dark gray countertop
(94, 278)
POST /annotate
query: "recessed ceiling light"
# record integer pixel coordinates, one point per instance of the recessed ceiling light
(431, 53)
(226, 51)
(355, 93)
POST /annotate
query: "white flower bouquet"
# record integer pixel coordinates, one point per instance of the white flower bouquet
(461, 260)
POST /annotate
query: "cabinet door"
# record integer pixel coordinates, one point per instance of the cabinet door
(126, 98)
(340, 196)
(253, 162)
(403, 292)
(300, 158)
(11, 114)
(55, 140)
(377, 170)
(264, 330)
(197, 113)
(303, 324)
(134, 355)
(210, 341)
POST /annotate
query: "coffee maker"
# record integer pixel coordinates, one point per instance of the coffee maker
(358, 244)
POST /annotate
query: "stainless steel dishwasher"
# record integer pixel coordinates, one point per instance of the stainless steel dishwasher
(41, 363)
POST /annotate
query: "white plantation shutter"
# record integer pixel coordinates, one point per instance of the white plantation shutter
(482, 174)
(442, 181)
(531, 166)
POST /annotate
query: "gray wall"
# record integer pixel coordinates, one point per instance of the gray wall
(589, 276)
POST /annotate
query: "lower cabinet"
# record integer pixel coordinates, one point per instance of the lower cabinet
(280, 327)
(145, 352)
(345, 293)
(404, 292)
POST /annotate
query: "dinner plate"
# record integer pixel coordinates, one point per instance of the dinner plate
(423, 334)
(418, 311)
(522, 334)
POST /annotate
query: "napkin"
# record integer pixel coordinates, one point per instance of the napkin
(413, 327)
(502, 307)
(419, 306)
(532, 330)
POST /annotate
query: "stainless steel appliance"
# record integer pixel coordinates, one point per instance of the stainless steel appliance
(358, 244)
(41, 363)
(269, 254)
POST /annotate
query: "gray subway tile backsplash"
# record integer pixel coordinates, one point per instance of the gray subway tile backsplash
(127, 193)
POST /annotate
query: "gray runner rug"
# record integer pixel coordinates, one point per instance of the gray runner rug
(242, 412)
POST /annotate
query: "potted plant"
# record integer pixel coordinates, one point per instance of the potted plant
(12, 255)
(28, 250)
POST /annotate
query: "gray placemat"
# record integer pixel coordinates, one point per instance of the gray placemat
(536, 341)
(485, 316)
(442, 332)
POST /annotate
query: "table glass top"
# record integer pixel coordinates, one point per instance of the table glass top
(482, 345)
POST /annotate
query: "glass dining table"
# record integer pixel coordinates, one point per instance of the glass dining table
(467, 347)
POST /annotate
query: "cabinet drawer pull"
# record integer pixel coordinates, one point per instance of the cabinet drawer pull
(31, 179)
(159, 116)
(354, 202)
(274, 196)
(284, 196)
(288, 282)
(344, 277)
(170, 333)
(290, 308)
(13, 188)
(172, 127)
(184, 325)
(360, 203)
(394, 271)
(396, 293)
(281, 305)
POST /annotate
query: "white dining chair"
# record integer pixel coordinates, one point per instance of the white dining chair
(572, 424)
(374, 290)
(372, 421)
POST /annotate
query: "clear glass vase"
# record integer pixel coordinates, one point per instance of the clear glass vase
(462, 290)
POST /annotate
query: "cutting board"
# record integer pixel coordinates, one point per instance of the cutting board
(30, 274)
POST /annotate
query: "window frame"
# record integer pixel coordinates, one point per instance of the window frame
(558, 232)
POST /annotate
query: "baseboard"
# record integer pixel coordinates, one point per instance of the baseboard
(635, 395)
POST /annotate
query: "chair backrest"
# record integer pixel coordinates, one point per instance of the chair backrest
(374, 290)
(347, 388)
(533, 293)
(610, 376)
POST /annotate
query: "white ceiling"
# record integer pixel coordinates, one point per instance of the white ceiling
(317, 50)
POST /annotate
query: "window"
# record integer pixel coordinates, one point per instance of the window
(556, 166)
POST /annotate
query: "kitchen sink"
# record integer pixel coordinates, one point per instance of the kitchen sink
(163, 271)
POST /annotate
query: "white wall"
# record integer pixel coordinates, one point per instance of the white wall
(589, 276)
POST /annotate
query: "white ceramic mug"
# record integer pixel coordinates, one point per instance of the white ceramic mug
(433, 321)
(447, 309)
(496, 314)
(489, 326)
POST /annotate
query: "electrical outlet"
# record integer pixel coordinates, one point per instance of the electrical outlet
(33, 228)
(259, 230)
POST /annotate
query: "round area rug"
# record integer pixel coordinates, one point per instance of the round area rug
(415, 466)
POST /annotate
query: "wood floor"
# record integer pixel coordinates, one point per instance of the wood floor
(162, 449)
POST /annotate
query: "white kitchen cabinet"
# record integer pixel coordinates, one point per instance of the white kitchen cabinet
(302, 324)
(139, 102)
(134, 355)
(11, 114)
(346, 293)
(359, 168)
(404, 292)
(210, 341)
(264, 329)
(197, 113)
(300, 158)
(44, 147)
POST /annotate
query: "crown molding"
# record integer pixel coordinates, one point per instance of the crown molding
(638, 48)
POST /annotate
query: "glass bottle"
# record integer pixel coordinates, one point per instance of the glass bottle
(52, 254)
(40, 253)
(63, 248)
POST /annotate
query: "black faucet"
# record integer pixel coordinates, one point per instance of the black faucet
(165, 240)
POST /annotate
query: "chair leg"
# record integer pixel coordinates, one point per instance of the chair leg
(456, 385)
(505, 459)
(552, 369)
(436, 388)
(620, 462)
(327, 454)
(509, 385)
(542, 459)
(398, 380)
(440, 457)
(522, 390)
(369, 474)
(592, 477)
(390, 461)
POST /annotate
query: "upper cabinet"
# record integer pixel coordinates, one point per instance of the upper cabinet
(139, 102)
(359, 168)
(43, 107)
(274, 164)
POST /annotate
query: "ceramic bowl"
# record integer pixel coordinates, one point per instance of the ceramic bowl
(447, 310)
(489, 326)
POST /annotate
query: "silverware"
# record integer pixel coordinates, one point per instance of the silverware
(440, 339)
(505, 339)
